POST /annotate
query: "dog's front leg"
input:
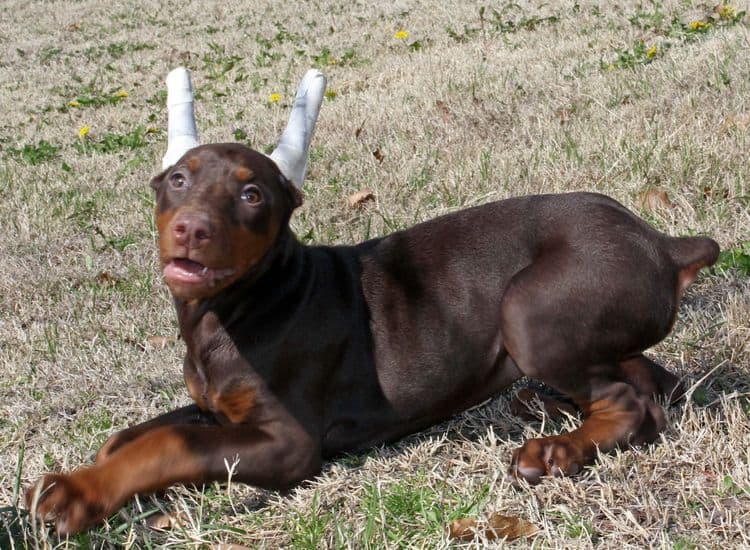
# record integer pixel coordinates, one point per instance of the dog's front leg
(191, 415)
(175, 454)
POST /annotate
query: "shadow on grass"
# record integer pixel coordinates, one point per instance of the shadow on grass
(14, 526)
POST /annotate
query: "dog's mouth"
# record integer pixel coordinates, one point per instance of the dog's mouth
(187, 271)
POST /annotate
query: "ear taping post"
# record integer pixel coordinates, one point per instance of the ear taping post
(182, 134)
(291, 153)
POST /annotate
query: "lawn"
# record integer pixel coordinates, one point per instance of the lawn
(431, 106)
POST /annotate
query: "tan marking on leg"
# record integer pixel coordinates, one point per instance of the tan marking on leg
(80, 499)
(236, 403)
(621, 417)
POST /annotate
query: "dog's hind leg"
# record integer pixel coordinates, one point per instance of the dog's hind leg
(563, 329)
(532, 403)
(648, 377)
(617, 416)
(651, 378)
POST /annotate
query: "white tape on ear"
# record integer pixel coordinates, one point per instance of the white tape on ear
(291, 153)
(182, 135)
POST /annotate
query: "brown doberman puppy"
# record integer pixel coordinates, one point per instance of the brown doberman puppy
(296, 353)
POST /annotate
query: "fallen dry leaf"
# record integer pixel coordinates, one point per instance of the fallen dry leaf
(164, 521)
(161, 521)
(73, 27)
(160, 341)
(360, 197)
(497, 526)
(462, 529)
(563, 114)
(444, 111)
(108, 279)
(378, 155)
(653, 199)
(358, 131)
(711, 193)
(510, 527)
(740, 121)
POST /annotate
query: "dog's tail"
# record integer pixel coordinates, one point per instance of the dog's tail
(291, 153)
(691, 254)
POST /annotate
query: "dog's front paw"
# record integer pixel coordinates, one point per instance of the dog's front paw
(548, 456)
(73, 502)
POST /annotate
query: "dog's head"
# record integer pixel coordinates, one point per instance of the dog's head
(219, 211)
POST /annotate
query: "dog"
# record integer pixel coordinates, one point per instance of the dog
(298, 353)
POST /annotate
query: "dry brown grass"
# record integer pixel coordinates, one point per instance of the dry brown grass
(488, 110)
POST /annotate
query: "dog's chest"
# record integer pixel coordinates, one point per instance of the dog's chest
(218, 379)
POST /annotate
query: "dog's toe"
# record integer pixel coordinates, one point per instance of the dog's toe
(547, 456)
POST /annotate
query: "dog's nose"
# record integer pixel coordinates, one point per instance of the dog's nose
(192, 230)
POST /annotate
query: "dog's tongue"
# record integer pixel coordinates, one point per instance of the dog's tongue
(183, 270)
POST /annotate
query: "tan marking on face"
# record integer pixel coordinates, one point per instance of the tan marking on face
(248, 247)
(163, 225)
(163, 220)
(193, 164)
(243, 173)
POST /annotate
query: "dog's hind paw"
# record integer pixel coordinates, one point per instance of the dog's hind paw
(548, 456)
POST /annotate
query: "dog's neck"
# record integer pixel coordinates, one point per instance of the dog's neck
(256, 294)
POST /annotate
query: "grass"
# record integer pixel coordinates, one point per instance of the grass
(432, 106)
(34, 154)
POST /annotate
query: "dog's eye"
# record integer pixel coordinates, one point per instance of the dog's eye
(251, 194)
(177, 180)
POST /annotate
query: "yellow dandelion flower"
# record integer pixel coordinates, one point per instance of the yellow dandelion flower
(84, 131)
(121, 93)
(73, 103)
(726, 12)
(274, 98)
(401, 35)
(651, 52)
(698, 25)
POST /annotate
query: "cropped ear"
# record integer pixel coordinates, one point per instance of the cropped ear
(292, 193)
(157, 180)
